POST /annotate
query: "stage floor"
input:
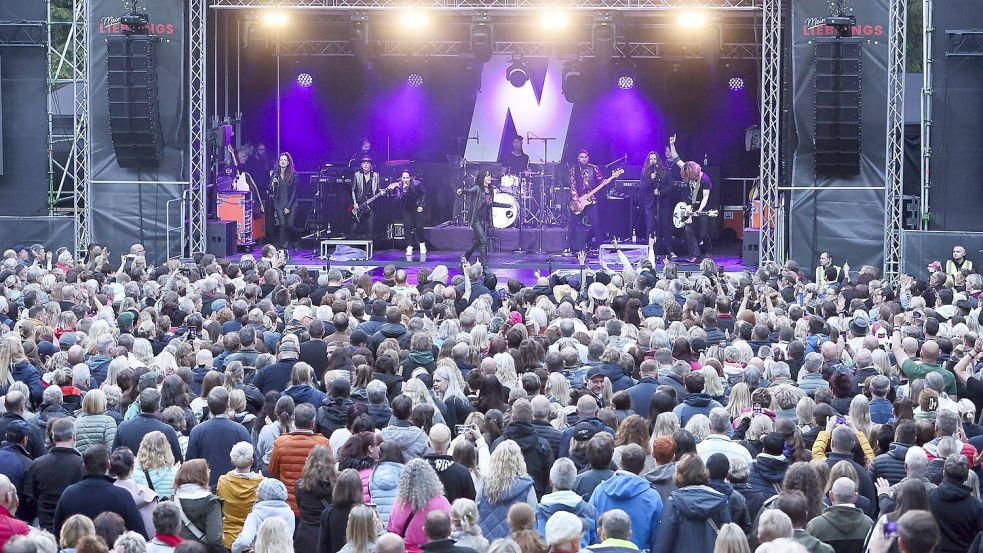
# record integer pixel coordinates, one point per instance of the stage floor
(519, 265)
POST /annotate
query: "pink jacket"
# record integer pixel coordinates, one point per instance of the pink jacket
(365, 475)
(414, 537)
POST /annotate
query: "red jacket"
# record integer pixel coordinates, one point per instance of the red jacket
(10, 526)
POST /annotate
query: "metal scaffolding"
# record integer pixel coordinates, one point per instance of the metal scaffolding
(928, 29)
(75, 56)
(893, 174)
(194, 239)
(490, 4)
(772, 248)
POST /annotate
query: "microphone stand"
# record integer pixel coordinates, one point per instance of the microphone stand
(542, 189)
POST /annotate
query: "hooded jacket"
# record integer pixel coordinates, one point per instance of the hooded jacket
(390, 330)
(685, 524)
(305, 394)
(552, 436)
(620, 380)
(419, 359)
(262, 510)
(380, 413)
(410, 439)
(633, 495)
(766, 475)
(383, 485)
(959, 515)
(455, 477)
(332, 414)
(571, 502)
(238, 493)
(890, 465)
(695, 404)
(735, 502)
(661, 479)
(494, 515)
(536, 451)
(843, 527)
(98, 369)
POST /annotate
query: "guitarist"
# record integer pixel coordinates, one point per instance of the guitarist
(584, 176)
(283, 187)
(364, 186)
(699, 196)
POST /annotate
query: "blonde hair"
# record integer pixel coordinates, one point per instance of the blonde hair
(75, 528)
(273, 537)
(112, 372)
(731, 539)
(666, 424)
(11, 353)
(155, 451)
(860, 414)
(558, 386)
(94, 402)
(505, 370)
(505, 467)
(699, 426)
(760, 425)
(712, 383)
(360, 532)
(464, 515)
(237, 401)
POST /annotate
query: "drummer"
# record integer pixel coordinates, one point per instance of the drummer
(515, 162)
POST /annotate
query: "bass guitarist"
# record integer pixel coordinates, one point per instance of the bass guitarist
(699, 196)
(583, 227)
(364, 186)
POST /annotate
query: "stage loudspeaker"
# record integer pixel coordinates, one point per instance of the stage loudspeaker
(220, 238)
(837, 118)
(134, 114)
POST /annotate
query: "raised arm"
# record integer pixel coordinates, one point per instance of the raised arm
(672, 151)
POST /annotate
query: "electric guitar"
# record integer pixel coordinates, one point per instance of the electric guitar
(361, 209)
(683, 214)
(244, 182)
(577, 206)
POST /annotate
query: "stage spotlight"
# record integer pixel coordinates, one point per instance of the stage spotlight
(626, 82)
(627, 74)
(482, 38)
(517, 73)
(275, 18)
(736, 84)
(554, 19)
(414, 19)
(573, 83)
(691, 19)
(415, 80)
(305, 80)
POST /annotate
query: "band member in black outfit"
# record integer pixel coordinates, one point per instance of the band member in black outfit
(364, 186)
(584, 176)
(481, 196)
(515, 161)
(283, 187)
(413, 194)
(699, 196)
(657, 191)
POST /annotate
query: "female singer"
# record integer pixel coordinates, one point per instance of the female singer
(657, 190)
(413, 194)
(283, 188)
(481, 195)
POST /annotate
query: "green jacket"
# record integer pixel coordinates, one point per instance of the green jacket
(843, 527)
(914, 370)
(811, 544)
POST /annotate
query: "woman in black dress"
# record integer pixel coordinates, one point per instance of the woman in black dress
(283, 188)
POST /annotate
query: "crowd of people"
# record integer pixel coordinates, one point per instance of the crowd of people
(237, 406)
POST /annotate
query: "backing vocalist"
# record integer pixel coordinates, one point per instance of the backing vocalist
(283, 188)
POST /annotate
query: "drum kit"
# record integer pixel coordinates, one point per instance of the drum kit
(528, 199)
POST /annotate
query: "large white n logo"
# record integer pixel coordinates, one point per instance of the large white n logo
(549, 116)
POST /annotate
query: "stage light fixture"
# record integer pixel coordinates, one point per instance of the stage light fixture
(305, 80)
(482, 38)
(627, 74)
(554, 19)
(517, 73)
(275, 18)
(691, 19)
(604, 37)
(414, 19)
(415, 80)
(736, 84)
(626, 82)
(573, 82)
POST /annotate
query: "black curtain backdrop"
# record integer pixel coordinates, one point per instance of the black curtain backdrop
(957, 145)
(850, 223)
(23, 162)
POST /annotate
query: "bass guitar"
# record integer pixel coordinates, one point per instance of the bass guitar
(361, 209)
(683, 214)
(577, 206)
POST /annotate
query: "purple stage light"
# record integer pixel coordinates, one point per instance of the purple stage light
(736, 84)
(305, 80)
(626, 82)
(415, 80)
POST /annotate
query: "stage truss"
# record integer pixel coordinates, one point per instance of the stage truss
(491, 4)
(893, 174)
(772, 246)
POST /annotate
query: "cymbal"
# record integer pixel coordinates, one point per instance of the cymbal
(395, 162)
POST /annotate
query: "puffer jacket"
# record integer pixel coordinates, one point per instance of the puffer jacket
(260, 512)
(566, 500)
(161, 479)
(383, 484)
(289, 455)
(890, 465)
(238, 493)
(91, 430)
(411, 440)
(494, 515)
(685, 527)
(332, 414)
(766, 475)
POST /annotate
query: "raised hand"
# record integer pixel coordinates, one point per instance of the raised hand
(582, 257)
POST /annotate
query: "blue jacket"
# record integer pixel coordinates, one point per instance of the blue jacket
(382, 487)
(98, 369)
(212, 441)
(766, 473)
(494, 521)
(633, 495)
(26, 372)
(641, 394)
(571, 502)
(568, 434)
(620, 380)
(305, 394)
(685, 527)
(881, 411)
(695, 404)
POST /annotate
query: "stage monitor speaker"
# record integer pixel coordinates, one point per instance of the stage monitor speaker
(134, 113)
(221, 238)
(837, 117)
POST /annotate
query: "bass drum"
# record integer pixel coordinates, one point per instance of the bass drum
(505, 210)
(510, 184)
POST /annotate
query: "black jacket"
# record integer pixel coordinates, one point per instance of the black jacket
(315, 354)
(536, 451)
(332, 414)
(753, 497)
(458, 410)
(390, 330)
(766, 475)
(455, 477)
(550, 434)
(890, 465)
(77, 500)
(15, 463)
(446, 546)
(48, 478)
(736, 502)
(131, 433)
(35, 438)
(275, 376)
(334, 523)
(311, 504)
(959, 515)
(866, 487)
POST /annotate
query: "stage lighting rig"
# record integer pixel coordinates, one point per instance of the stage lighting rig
(275, 18)
(573, 82)
(554, 19)
(517, 73)
(482, 37)
(136, 21)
